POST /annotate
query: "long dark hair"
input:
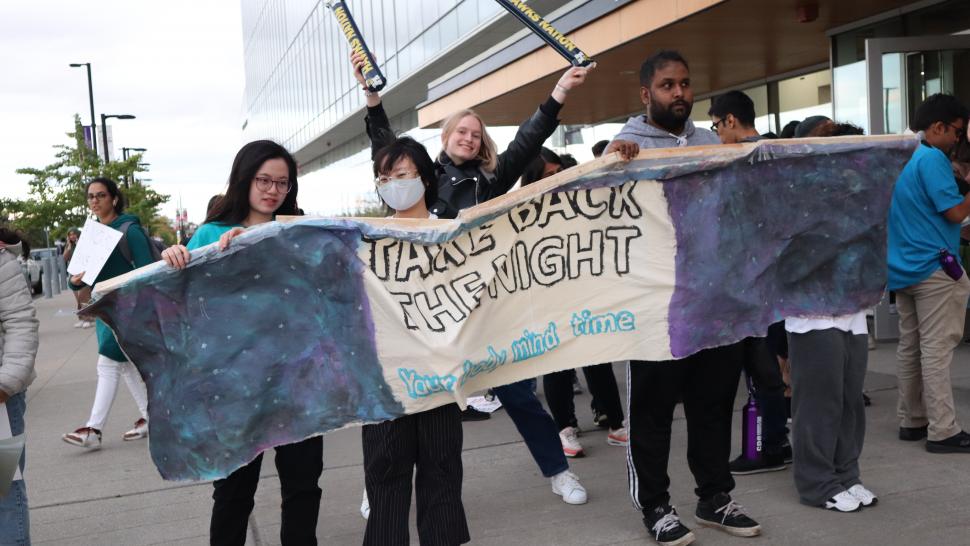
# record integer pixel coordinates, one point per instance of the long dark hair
(233, 208)
(113, 191)
(386, 157)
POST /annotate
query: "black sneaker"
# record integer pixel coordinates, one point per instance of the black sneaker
(958, 443)
(912, 434)
(472, 414)
(601, 419)
(665, 526)
(720, 512)
(743, 466)
(786, 454)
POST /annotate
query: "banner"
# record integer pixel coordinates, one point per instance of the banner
(310, 325)
(373, 78)
(548, 33)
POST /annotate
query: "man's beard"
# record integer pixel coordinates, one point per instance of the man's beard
(666, 117)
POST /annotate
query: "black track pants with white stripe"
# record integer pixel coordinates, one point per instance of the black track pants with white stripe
(707, 383)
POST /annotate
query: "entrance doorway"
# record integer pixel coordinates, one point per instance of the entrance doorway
(902, 72)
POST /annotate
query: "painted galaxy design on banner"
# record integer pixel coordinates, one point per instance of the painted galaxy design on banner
(231, 381)
(758, 253)
(315, 324)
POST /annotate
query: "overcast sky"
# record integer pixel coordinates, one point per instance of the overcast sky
(176, 65)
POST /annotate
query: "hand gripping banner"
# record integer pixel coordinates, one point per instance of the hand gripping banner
(373, 77)
(310, 325)
(548, 33)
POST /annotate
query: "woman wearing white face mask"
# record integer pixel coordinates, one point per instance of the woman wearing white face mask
(430, 440)
(470, 169)
(401, 184)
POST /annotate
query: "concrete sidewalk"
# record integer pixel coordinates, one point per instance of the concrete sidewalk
(115, 496)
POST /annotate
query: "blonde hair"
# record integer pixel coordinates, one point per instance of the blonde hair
(487, 152)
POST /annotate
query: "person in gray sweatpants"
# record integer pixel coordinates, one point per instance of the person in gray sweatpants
(828, 367)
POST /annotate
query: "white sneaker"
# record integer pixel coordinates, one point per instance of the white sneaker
(138, 432)
(570, 443)
(843, 502)
(566, 485)
(79, 324)
(365, 506)
(86, 437)
(866, 497)
(619, 437)
(87, 324)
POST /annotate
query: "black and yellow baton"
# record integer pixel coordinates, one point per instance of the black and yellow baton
(546, 31)
(373, 79)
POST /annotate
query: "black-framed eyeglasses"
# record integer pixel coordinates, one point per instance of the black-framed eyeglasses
(97, 196)
(960, 130)
(264, 183)
(716, 123)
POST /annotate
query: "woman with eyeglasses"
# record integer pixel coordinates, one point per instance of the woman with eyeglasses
(430, 440)
(262, 185)
(108, 205)
(470, 171)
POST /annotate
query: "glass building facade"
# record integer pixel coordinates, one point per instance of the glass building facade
(300, 90)
(299, 85)
(298, 81)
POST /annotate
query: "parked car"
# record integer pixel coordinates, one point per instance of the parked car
(35, 263)
(33, 272)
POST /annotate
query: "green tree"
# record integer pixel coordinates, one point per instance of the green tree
(57, 199)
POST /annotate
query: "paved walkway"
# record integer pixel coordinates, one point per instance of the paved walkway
(114, 496)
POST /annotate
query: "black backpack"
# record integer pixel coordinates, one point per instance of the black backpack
(155, 247)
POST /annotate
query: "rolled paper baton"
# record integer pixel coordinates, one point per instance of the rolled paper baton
(373, 79)
(563, 45)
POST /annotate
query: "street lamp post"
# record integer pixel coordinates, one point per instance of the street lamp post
(124, 156)
(104, 131)
(94, 132)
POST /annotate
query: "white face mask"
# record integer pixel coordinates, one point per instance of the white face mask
(401, 193)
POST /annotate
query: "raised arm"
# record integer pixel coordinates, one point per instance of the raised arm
(378, 126)
(534, 131)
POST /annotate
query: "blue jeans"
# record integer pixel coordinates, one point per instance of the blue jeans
(14, 520)
(535, 425)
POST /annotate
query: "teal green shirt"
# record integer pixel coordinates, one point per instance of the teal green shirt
(208, 234)
(116, 265)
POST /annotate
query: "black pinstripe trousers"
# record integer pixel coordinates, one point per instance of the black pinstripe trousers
(431, 441)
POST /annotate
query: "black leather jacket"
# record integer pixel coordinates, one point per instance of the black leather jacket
(466, 185)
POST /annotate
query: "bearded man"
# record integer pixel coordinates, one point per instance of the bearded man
(706, 381)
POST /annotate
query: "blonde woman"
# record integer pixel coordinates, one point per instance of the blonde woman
(469, 169)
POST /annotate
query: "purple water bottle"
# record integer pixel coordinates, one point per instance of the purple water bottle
(751, 427)
(950, 265)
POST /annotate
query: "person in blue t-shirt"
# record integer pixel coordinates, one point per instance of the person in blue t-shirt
(262, 185)
(924, 226)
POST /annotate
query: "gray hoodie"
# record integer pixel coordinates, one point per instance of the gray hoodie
(647, 136)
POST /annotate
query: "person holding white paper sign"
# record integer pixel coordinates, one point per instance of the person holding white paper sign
(18, 348)
(108, 205)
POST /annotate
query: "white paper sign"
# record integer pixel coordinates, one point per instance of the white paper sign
(10, 449)
(96, 244)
